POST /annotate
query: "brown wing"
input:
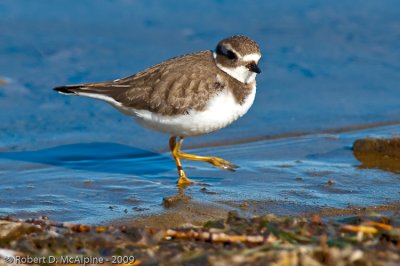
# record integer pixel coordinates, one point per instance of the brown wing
(172, 87)
(169, 88)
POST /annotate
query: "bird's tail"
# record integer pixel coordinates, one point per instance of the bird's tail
(96, 91)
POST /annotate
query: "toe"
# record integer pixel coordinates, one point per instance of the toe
(223, 164)
(183, 180)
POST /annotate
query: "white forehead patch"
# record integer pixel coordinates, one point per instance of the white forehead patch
(251, 57)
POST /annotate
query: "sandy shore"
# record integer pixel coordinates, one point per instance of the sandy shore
(182, 237)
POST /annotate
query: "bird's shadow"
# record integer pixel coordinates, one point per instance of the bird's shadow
(97, 157)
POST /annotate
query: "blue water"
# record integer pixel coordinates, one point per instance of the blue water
(326, 65)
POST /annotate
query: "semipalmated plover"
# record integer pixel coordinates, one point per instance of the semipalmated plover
(189, 95)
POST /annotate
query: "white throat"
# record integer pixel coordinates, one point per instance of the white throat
(240, 73)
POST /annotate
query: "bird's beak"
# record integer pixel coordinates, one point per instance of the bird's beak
(253, 67)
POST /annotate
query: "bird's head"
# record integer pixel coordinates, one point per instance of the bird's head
(238, 56)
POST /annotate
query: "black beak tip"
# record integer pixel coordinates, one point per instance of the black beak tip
(254, 68)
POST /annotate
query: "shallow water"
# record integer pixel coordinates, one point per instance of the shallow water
(100, 182)
(325, 66)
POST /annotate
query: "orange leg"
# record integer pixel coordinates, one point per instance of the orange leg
(183, 180)
(177, 154)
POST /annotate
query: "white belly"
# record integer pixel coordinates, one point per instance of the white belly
(221, 111)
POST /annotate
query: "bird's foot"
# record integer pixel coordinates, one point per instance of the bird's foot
(183, 180)
(216, 161)
(222, 163)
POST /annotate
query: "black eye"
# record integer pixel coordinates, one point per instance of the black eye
(231, 55)
(225, 52)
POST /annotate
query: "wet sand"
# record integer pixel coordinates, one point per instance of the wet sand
(191, 214)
